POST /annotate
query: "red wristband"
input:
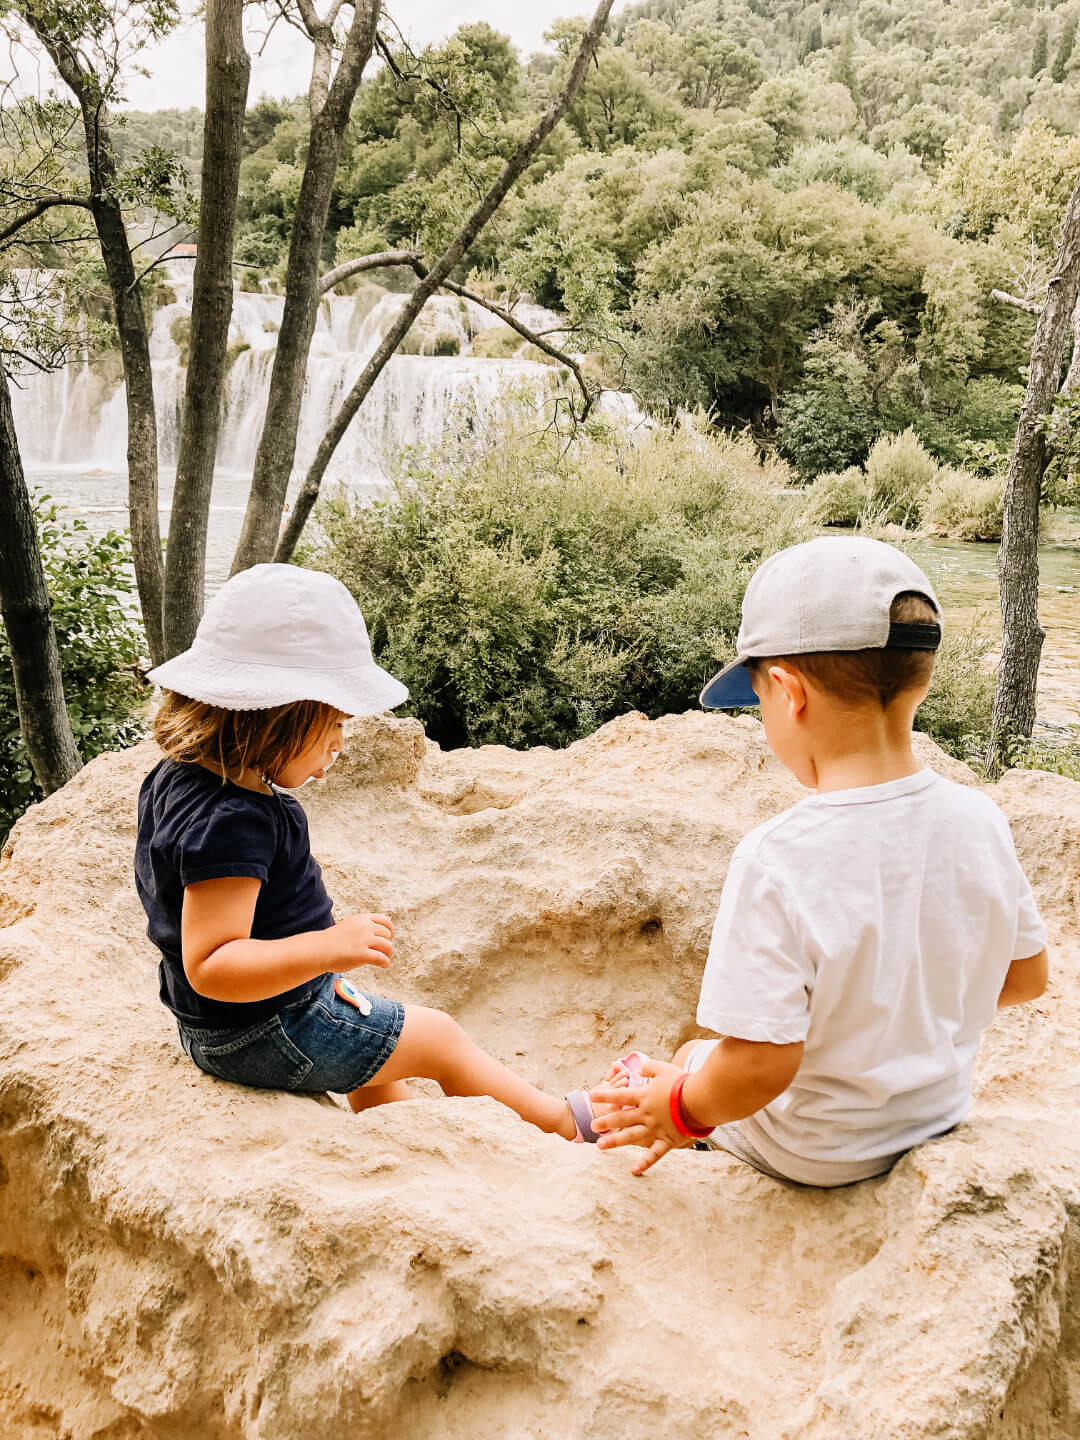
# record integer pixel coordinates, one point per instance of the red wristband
(678, 1116)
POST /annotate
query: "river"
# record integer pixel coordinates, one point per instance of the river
(965, 574)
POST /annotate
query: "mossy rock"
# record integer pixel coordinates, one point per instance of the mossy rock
(108, 367)
(498, 343)
(180, 330)
(271, 327)
(412, 342)
(443, 343)
(233, 353)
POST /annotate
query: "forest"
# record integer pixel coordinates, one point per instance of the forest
(788, 217)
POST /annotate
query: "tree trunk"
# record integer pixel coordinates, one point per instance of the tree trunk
(24, 604)
(436, 275)
(1018, 558)
(227, 71)
(277, 444)
(130, 325)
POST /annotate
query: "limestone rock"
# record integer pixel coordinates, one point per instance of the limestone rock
(180, 1257)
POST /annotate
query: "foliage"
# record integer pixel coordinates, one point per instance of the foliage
(899, 471)
(838, 497)
(957, 711)
(1059, 758)
(963, 506)
(526, 593)
(904, 485)
(788, 216)
(100, 642)
(1061, 482)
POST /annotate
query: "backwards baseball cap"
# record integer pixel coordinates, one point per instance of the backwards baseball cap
(831, 594)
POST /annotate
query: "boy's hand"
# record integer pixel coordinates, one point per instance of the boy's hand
(361, 940)
(643, 1116)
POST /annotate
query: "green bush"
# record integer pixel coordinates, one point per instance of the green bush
(838, 497)
(963, 506)
(526, 592)
(445, 344)
(899, 469)
(100, 642)
(956, 713)
(1055, 756)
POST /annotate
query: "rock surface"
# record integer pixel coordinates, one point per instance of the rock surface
(183, 1258)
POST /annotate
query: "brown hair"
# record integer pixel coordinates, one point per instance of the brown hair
(263, 741)
(864, 675)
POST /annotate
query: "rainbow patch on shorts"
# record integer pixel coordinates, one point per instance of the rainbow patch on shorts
(349, 993)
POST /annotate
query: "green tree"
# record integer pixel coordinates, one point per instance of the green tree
(1063, 53)
(1039, 49)
(714, 71)
(99, 641)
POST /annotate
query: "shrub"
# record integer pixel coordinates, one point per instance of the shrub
(100, 641)
(898, 470)
(963, 506)
(823, 430)
(443, 343)
(1061, 758)
(956, 713)
(527, 592)
(838, 498)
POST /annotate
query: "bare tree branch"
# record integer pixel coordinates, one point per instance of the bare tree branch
(277, 444)
(1031, 307)
(379, 261)
(438, 272)
(39, 209)
(534, 337)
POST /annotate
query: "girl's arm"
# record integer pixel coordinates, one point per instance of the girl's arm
(223, 962)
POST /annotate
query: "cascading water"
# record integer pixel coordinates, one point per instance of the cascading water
(77, 417)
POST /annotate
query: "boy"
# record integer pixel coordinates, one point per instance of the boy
(866, 936)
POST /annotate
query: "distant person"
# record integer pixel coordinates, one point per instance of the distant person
(251, 953)
(865, 937)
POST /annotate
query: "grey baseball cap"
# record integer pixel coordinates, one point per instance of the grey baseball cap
(831, 594)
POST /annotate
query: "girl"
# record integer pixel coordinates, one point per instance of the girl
(250, 949)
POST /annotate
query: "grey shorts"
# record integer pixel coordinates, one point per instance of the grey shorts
(319, 1043)
(730, 1137)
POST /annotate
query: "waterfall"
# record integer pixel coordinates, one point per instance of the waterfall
(76, 417)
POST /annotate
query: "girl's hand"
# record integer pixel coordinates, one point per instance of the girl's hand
(361, 940)
(643, 1117)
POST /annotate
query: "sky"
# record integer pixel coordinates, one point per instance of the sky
(176, 75)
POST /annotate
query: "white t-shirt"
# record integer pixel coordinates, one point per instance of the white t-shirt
(876, 926)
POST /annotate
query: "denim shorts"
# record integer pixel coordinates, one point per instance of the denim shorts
(321, 1042)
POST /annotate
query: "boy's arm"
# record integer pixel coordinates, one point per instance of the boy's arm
(738, 1078)
(223, 962)
(1027, 978)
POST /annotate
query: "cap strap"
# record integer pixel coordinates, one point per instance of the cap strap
(914, 636)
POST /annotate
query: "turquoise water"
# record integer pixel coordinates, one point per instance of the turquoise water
(965, 576)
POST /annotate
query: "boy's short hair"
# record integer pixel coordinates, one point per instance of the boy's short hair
(865, 675)
(263, 741)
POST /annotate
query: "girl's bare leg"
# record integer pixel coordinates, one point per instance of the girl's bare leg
(369, 1095)
(436, 1047)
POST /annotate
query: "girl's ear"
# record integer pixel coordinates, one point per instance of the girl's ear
(793, 687)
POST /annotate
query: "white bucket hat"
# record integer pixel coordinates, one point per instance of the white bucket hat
(276, 634)
(833, 594)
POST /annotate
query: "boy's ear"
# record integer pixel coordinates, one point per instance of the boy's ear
(793, 686)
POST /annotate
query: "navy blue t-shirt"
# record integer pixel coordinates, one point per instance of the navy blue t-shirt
(194, 826)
